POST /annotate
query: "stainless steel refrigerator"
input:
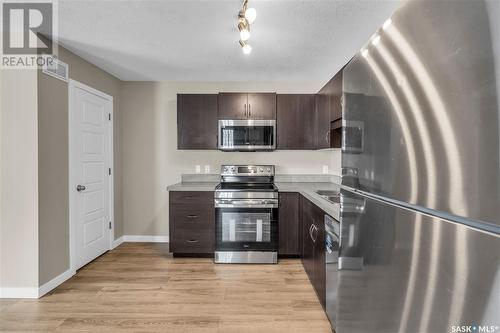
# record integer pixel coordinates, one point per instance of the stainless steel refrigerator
(420, 222)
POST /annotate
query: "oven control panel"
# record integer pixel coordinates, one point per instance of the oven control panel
(247, 170)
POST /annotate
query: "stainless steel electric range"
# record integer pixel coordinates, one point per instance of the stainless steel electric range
(246, 209)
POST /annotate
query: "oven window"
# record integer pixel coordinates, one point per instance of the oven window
(246, 227)
(247, 135)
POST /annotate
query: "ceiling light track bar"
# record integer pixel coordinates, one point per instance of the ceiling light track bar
(246, 16)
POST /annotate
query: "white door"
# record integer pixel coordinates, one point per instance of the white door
(90, 162)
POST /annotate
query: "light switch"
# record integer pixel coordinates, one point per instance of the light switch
(198, 168)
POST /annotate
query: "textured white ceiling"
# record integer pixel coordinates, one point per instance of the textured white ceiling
(191, 40)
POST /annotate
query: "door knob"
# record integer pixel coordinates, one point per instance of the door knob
(80, 188)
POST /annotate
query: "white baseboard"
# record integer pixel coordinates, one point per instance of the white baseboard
(117, 242)
(55, 282)
(145, 239)
(18, 292)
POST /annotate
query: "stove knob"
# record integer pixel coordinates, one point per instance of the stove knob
(261, 169)
(268, 169)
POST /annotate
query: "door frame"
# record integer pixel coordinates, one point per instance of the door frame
(72, 165)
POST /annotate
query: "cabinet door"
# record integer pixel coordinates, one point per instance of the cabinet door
(289, 224)
(233, 106)
(323, 118)
(336, 98)
(262, 106)
(328, 109)
(196, 121)
(319, 256)
(191, 222)
(307, 243)
(296, 122)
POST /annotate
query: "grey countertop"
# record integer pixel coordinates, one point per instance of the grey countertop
(305, 189)
(193, 186)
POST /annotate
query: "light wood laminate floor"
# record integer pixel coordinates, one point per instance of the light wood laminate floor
(139, 287)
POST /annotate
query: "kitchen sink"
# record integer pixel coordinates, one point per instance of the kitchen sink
(332, 196)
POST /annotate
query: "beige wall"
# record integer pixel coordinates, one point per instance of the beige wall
(19, 180)
(53, 160)
(151, 160)
(53, 177)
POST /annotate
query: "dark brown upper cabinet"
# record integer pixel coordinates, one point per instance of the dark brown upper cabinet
(329, 114)
(323, 119)
(196, 121)
(233, 106)
(296, 122)
(336, 97)
(247, 106)
(262, 106)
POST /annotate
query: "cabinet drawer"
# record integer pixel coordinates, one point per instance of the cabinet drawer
(198, 198)
(192, 241)
(192, 217)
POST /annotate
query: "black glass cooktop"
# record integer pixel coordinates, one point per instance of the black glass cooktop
(246, 187)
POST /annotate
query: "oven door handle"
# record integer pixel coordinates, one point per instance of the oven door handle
(252, 203)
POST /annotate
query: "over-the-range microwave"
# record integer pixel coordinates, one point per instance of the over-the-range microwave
(246, 135)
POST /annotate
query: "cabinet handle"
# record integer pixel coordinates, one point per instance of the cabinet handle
(192, 241)
(310, 232)
(315, 228)
(192, 216)
(246, 113)
(327, 136)
(249, 110)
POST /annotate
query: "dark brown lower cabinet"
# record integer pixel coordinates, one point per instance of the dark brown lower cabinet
(319, 260)
(313, 246)
(301, 230)
(289, 224)
(191, 222)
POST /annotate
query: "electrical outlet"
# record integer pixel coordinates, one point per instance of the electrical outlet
(325, 168)
(207, 168)
(198, 168)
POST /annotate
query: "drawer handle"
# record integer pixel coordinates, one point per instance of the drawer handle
(192, 216)
(192, 241)
(188, 197)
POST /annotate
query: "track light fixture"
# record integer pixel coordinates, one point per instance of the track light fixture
(246, 16)
(245, 47)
